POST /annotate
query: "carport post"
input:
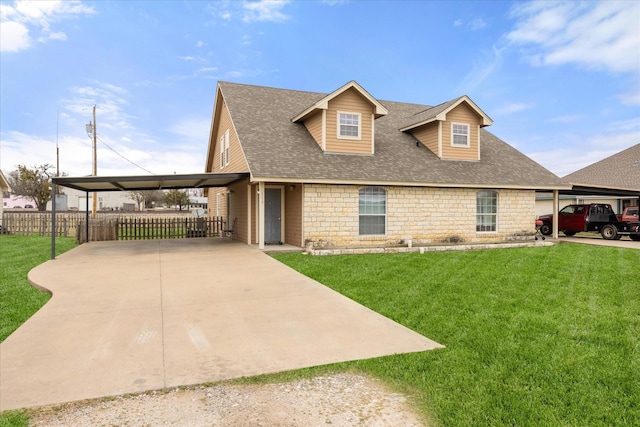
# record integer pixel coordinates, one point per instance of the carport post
(261, 215)
(556, 203)
(53, 220)
(86, 224)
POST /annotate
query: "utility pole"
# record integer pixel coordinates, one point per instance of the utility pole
(91, 129)
(95, 161)
(57, 147)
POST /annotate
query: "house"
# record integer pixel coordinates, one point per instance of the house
(614, 180)
(345, 169)
(4, 187)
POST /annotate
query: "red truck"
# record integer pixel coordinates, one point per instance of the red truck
(629, 214)
(595, 217)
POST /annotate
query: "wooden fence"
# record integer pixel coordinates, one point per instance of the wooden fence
(108, 226)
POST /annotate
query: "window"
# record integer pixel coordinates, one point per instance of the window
(460, 135)
(224, 149)
(349, 125)
(486, 210)
(221, 152)
(373, 211)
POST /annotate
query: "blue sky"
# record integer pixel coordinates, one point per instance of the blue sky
(561, 80)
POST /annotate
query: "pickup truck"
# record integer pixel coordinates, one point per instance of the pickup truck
(629, 214)
(596, 217)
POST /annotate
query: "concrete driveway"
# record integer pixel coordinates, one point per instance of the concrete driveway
(594, 239)
(132, 316)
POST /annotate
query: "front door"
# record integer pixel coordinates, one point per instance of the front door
(273, 215)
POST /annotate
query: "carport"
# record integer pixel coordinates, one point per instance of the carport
(97, 184)
(585, 190)
(617, 176)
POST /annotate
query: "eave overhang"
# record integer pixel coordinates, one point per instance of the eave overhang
(323, 103)
(439, 113)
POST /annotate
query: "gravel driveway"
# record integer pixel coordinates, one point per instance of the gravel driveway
(337, 400)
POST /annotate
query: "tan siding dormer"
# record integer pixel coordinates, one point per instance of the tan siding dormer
(356, 108)
(428, 136)
(450, 130)
(349, 102)
(314, 125)
(461, 115)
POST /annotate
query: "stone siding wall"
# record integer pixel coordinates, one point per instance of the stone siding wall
(417, 214)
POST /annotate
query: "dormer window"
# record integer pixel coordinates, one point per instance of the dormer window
(459, 135)
(349, 125)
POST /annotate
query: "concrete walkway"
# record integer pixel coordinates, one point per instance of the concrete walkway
(132, 316)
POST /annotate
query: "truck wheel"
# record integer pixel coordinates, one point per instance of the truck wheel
(569, 233)
(609, 232)
(635, 237)
(545, 229)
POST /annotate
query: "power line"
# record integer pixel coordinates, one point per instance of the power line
(130, 161)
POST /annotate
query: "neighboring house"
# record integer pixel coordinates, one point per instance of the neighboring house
(4, 188)
(73, 199)
(16, 201)
(617, 173)
(345, 169)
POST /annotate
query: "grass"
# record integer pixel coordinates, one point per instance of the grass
(18, 299)
(535, 336)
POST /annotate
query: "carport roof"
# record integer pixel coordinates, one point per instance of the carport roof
(149, 182)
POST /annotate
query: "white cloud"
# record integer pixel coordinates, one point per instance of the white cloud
(569, 118)
(574, 155)
(195, 129)
(490, 62)
(472, 25)
(21, 17)
(514, 107)
(477, 24)
(190, 58)
(599, 35)
(14, 37)
(264, 11)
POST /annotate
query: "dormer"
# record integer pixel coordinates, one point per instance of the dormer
(343, 121)
(450, 130)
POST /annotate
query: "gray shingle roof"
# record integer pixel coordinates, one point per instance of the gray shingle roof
(620, 171)
(275, 147)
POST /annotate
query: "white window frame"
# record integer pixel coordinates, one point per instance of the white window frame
(226, 148)
(480, 224)
(362, 214)
(339, 134)
(467, 135)
(221, 151)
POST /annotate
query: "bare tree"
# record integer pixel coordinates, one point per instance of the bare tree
(138, 197)
(34, 183)
(176, 198)
(146, 197)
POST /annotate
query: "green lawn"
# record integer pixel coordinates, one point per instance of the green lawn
(535, 337)
(18, 299)
(544, 336)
